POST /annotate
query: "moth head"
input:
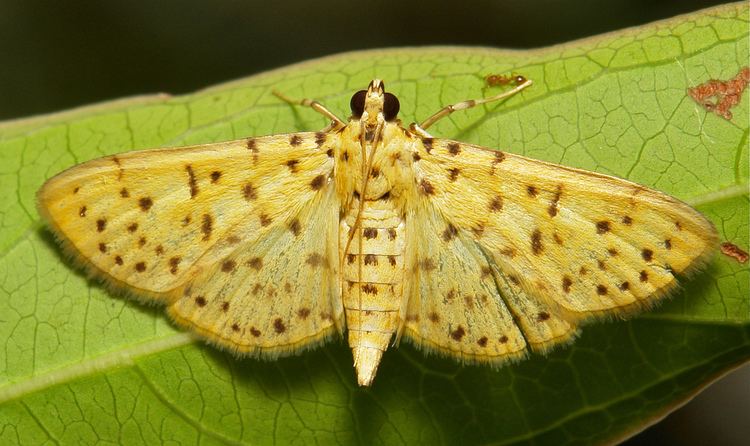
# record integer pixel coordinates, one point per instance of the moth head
(373, 102)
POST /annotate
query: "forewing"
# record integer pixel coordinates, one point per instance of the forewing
(148, 222)
(579, 243)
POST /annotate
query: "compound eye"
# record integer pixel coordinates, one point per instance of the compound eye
(358, 103)
(390, 107)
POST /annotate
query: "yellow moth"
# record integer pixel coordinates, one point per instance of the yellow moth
(267, 246)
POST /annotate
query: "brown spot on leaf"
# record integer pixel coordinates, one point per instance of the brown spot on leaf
(458, 333)
(145, 203)
(734, 251)
(719, 96)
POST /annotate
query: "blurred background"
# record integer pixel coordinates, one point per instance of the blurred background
(60, 54)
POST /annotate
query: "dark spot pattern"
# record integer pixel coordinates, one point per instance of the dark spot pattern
(174, 262)
(647, 254)
(303, 313)
(392, 260)
(249, 192)
(433, 317)
(207, 226)
(427, 143)
(391, 234)
(552, 209)
(450, 232)
(458, 333)
(255, 263)
(192, 182)
(415, 156)
(132, 227)
(371, 259)
(101, 224)
(82, 211)
(482, 342)
(627, 221)
(496, 203)
(278, 326)
(454, 149)
(235, 327)
(566, 283)
(536, 242)
(531, 191)
(426, 187)
(124, 193)
(453, 173)
(292, 165)
(118, 260)
(295, 140)
(370, 233)
(601, 290)
(542, 316)
(140, 267)
(315, 260)
(317, 182)
(602, 227)
(295, 227)
(228, 266)
(200, 301)
(141, 242)
(215, 175)
(668, 244)
(320, 138)
(255, 332)
(159, 250)
(225, 307)
(102, 248)
(265, 220)
(145, 203)
(625, 286)
(369, 288)
(503, 339)
(643, 276)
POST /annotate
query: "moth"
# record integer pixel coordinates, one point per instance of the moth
(267, 246)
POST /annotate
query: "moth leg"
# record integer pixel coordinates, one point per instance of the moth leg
(448, 109)
(315, 105)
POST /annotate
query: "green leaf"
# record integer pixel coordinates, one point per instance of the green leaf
(82, 366)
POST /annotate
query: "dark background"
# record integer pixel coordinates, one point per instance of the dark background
(59, 54)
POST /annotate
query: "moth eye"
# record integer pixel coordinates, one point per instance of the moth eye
(390, 107)
(358, 103)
